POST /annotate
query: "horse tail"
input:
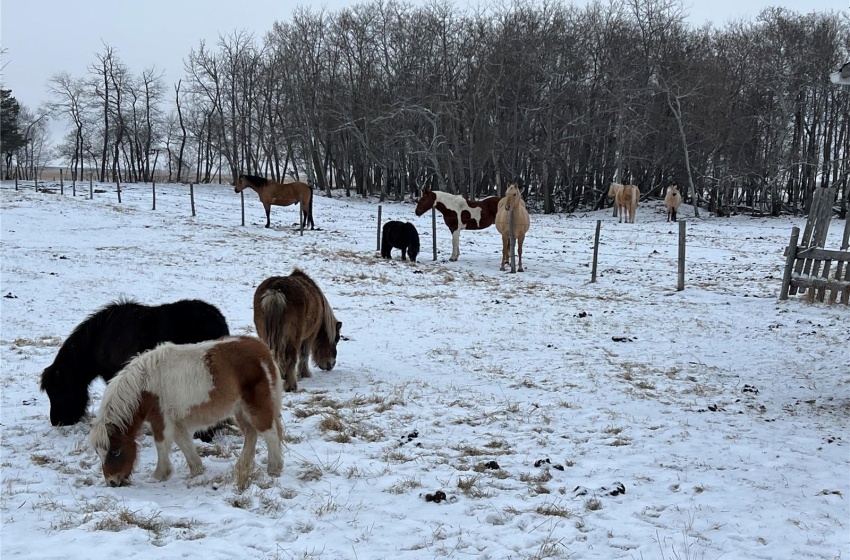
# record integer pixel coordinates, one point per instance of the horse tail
(274, 307)
(310, 207)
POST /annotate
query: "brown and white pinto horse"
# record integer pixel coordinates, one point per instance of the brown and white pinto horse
(294, 318)
(178, 388)
(512, 202)
(459, 213)
(280, 194)
(626, 199)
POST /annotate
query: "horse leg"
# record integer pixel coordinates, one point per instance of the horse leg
(455, 245)
(290, 360)
(674, 214)
(163, 447)
(304, 360)
(245, 463)
(183, 439)
(273, 439)
(519, 241)
(268, 208)
(505, 248)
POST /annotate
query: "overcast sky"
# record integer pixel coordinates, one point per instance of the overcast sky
(44, 37)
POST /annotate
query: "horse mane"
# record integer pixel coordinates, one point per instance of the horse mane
(121, 398)
(255, 180)
(75, 348)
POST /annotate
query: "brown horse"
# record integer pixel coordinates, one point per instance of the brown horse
(672, 201)
(280, 194)
(626, 199)
(459, 213)
(512, 202)
(294, 318)
(178, 388)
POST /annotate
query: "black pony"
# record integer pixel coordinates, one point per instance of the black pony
(111, 336)
(400, 235)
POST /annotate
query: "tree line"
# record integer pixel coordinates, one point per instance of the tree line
(387, 98)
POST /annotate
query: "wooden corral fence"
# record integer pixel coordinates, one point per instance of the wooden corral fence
(809, 266)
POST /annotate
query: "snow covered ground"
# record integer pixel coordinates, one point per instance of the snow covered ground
(721, 411)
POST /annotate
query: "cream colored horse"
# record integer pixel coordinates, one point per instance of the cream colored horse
(512, 201)
(672, 201)
(626, 199)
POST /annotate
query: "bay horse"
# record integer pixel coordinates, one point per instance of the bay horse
(111, 336)
(626, 199)
(672, 201)
(293, 316)
(177, 388)
(280, 194)
(400, 235)
(512, 201)
(459, 213)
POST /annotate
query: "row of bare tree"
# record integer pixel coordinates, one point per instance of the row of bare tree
(386, 97)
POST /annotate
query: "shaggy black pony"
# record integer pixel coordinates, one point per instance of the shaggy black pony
(111, 336)
(400, 235)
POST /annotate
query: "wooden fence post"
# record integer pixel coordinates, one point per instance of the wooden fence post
(595, 251)
(379, 228)
(153, 192)
(681, 283)
(789, 262)
(61, 182)
(74, 184)
(242, 198)
(192, 197)
(91, 186)
(434, 230)
(512, 240)
(16, 179)
(301, 218)
(118, 184)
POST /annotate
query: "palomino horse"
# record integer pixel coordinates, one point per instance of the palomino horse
(672, 200)
(179, 388)
(294, 318)
(459, 213)
(626, 199)
(512, 201)
(280, 194)
(107, 339)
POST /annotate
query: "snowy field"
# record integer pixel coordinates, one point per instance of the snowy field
(530, 399)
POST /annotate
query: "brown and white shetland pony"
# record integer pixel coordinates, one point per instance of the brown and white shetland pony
(512, 201)
(280, 194)
(294, 318)
(672, 201)
(180, 388)
(459, 213)
(626, 199)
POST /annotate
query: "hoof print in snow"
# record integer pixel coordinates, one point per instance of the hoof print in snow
(614, 490)
(622, 339)
(750, 389)
(583, 314)
(542, 462)
(491, 465)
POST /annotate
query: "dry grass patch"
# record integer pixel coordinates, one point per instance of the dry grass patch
(404, 484)
(554, 510)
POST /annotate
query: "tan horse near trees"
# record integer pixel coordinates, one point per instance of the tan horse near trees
(280, 194)
(512, 201)
(626, 199)
(672, 201)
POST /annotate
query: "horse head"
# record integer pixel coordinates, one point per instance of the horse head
(241, 184)
(117, 450)
(324, 348)
(512, 197)
(68, 401)
(428, 200)
(614, 189)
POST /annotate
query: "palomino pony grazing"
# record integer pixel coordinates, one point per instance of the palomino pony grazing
(672, 201)
(280, 194)
(179, 388)
(294, 318)
(626, 199)
(512, 202)
(459, 213)
(107, 339)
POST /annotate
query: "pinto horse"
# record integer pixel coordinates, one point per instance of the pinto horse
(293, 316)
(459, 213)
(107, 339)
(179, 388)
(280, 194)
(512, 201)
(672, 201)
(626, 199)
